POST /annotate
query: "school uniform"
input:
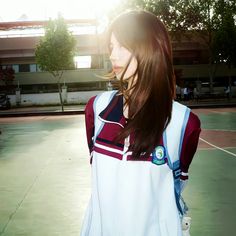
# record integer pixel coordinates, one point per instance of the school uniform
(134, 197)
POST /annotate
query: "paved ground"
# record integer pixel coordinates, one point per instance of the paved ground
(45, 175)
(211, 192)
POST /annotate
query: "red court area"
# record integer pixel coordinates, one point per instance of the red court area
(218, 127)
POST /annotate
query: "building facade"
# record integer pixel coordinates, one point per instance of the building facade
(18, 41)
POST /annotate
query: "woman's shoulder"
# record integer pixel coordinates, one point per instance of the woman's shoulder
(106, 95)
(101, 99)
(91, 101)
(194, 120)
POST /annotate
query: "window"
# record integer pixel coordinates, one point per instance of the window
(33, 68)
(24, 68)
(82, 62)
(16, 68)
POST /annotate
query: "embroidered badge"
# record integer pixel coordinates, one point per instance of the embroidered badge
(159, 155)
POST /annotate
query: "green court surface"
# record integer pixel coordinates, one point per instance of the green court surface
(211, 192)
(45, 175)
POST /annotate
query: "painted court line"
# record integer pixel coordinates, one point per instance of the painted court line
(224, 130)
(231, 153)
(212, 148)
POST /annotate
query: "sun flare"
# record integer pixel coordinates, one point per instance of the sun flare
(13, 10)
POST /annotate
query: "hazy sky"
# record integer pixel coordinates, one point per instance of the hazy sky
(12, 10)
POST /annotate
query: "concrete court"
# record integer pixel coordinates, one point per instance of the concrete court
(45, 177)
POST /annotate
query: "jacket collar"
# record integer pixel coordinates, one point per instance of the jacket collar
(114, 111)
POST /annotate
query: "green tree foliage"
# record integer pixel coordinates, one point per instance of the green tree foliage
(56, 50)
(224, 41)
(178, 15)
(204, 19)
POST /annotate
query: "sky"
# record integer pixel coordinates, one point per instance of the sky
(12, 10)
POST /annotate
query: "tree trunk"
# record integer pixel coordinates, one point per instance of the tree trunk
(59, 89)
(230, 82)
(211, 78)
(210, 69)
(209, 29)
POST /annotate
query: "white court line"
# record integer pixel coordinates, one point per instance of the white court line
(231, 153)
(212, 148)
(225, 130)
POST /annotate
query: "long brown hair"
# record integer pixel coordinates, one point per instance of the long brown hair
(149, 99)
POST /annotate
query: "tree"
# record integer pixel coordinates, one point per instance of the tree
(178, 16)
(224, 41)
(7, 76)
(56, 50)
(189, 17)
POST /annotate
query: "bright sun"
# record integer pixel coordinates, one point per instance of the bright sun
(12, 10)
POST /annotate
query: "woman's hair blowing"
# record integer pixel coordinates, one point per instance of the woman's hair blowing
(149, 98)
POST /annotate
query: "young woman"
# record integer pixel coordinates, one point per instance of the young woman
(141, 141)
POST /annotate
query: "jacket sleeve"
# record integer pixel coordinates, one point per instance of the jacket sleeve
(89, 123)
(190, 143)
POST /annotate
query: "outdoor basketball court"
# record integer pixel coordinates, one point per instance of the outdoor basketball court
(45, 175)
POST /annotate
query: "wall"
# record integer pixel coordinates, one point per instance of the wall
(53, 98)
(70, 76)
